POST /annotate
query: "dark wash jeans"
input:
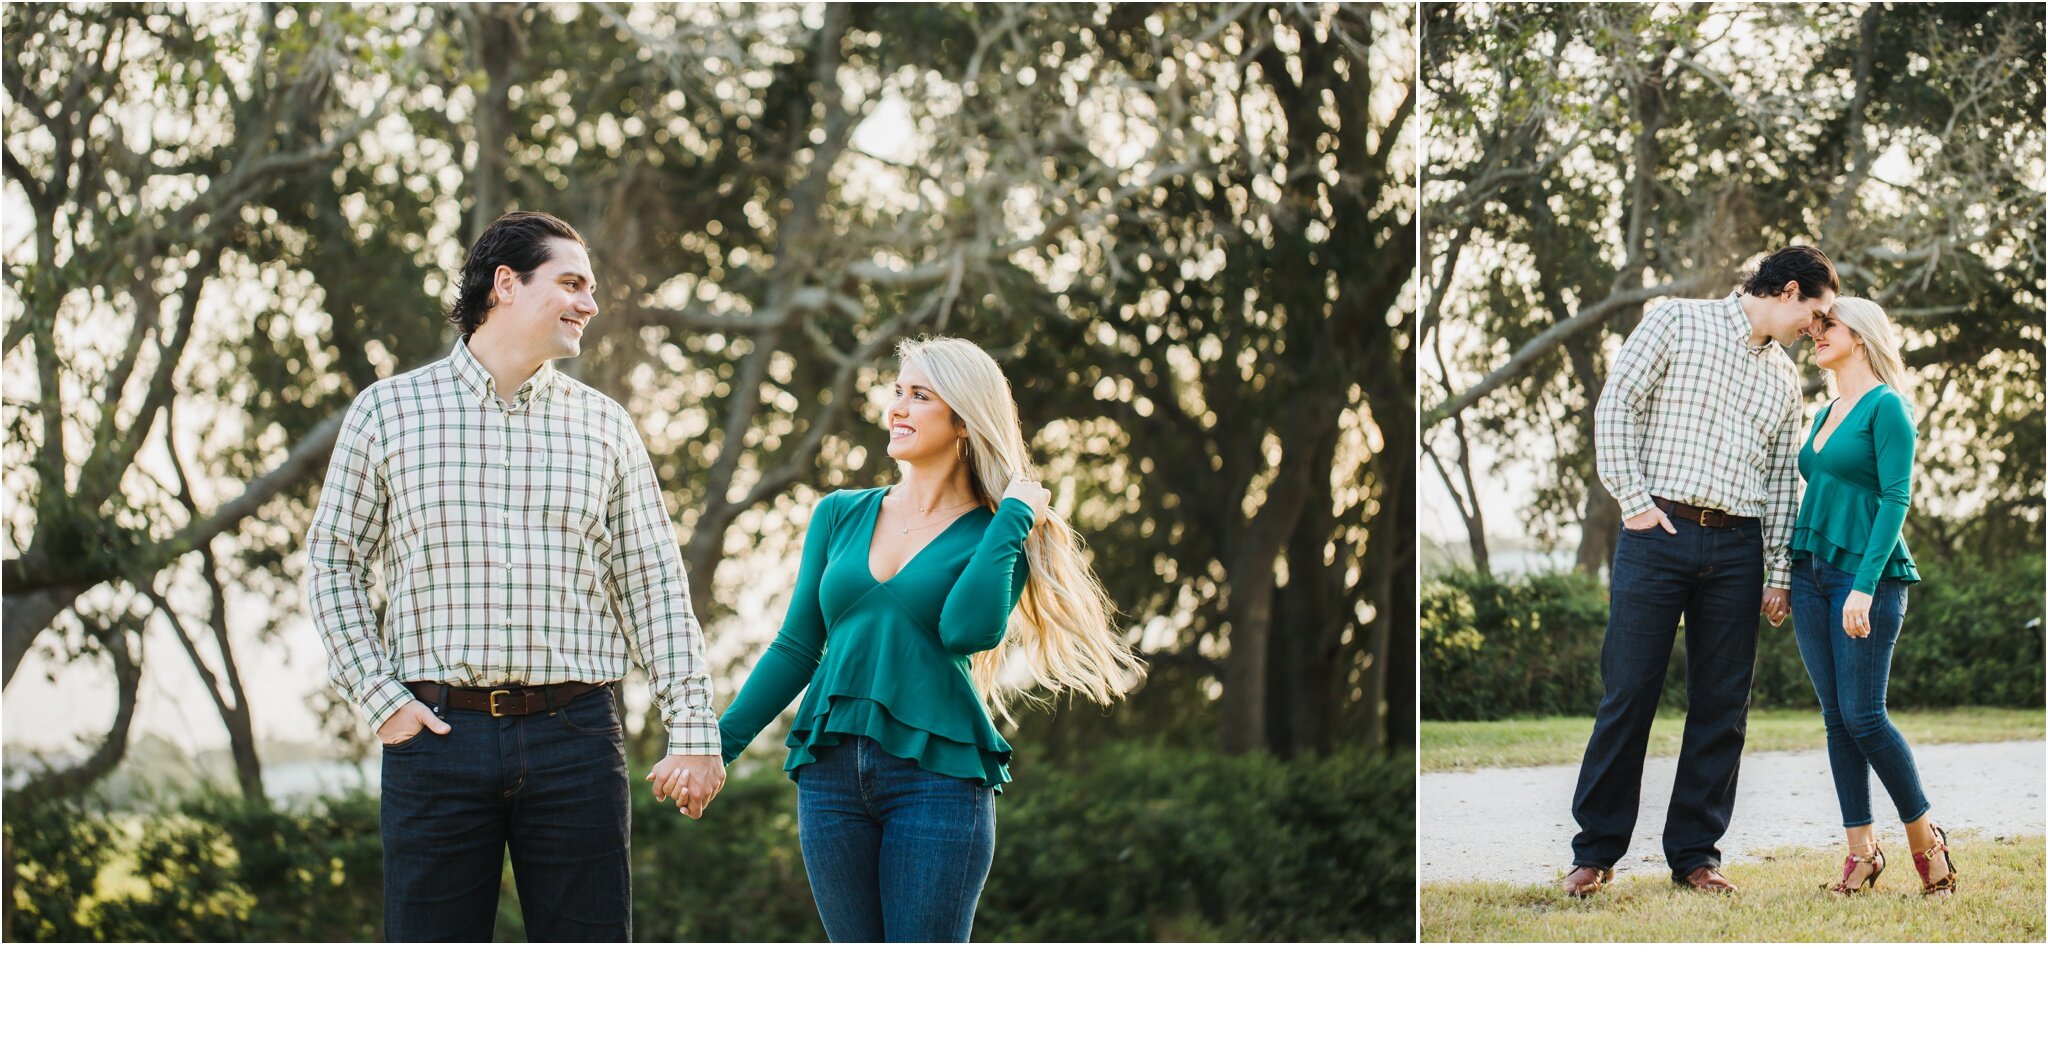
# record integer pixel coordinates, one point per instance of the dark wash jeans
(1850, 677)
(896, 853)
(552, 787)
(1713, 580)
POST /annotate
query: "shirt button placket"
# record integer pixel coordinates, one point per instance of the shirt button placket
(505, 539)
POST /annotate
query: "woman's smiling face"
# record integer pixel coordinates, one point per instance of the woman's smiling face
(920, 424)
(1833, 342)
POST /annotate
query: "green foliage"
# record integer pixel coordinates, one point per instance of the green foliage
(1494, 650)
(1139, 843)
(1577, 150)
(737, 874)
(211, 868)
(55, 852)
(1143, 843)
(1966, 640)
(1146, 843)
(1527, 646)
(1170, 321)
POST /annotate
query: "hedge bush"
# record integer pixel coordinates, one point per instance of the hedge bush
(1494, 649)
(1139, 843)
(1526, 646)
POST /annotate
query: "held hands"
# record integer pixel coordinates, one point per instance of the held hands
(1031, 493)
(1856, 615)
(1777, 605)
(691, 780)
(407, 721)
(1649, 517)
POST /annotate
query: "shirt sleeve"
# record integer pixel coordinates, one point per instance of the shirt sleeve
(977, 610)
(1891, 432)
(644, 572)
(790, 661)
(343, 541)
(1618, 418)
(1782, 480)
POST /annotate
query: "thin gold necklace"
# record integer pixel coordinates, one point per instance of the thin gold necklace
(927, 511)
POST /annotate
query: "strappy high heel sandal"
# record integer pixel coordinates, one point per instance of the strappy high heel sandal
(1924, 863)
(1853, 882)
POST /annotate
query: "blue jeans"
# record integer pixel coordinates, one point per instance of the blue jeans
(551, 787)
(1850, 677)
(896, 853)
(1712, 578)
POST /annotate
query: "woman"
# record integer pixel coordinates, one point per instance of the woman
(898, 627)
(1849, 576)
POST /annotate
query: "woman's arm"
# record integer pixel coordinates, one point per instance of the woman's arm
(977, 610)
(790, 661)
(1891, 432)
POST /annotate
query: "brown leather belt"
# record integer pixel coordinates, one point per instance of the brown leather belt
(505, 700)
(1713, 517)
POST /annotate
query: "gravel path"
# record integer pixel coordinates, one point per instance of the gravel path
(1515, 825)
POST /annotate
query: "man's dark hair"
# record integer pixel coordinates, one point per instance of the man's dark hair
(519, 240)
(1807, 265)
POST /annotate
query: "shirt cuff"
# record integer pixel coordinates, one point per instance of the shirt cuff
(1779, 575)
(693, 732)
(1028, 512)
(384, 702)
(1635, 504)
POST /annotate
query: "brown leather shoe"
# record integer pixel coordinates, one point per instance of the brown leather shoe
(1708, 880)
(1585, 881)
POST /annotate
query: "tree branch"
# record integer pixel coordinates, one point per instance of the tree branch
(1552, 339)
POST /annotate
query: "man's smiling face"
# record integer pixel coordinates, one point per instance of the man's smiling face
(1790, 316)
(553, 305)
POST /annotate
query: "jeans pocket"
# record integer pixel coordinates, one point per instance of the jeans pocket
(593, 714)
(409, 742)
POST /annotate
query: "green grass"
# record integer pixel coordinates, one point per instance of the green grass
(1562, 741)
(2000, 899)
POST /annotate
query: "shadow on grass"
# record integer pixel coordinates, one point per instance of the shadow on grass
(2001, 898)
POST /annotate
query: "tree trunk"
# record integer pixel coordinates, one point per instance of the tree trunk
(78, 778)
(1398, 611)
(1470, 511)
(1602, 512)
(1252, 573)
(27, 616)
(499, 41)
(1307, 670)
(1251, 625)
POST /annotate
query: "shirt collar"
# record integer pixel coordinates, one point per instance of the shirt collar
(1732, 307)
(482, 385)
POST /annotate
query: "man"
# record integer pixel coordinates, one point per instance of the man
(1697, 434)
(525, 550)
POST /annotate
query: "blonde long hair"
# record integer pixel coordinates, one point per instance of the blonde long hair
(1068, 634)
(1867, 320)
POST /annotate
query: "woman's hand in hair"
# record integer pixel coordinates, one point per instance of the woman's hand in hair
(1031, 493)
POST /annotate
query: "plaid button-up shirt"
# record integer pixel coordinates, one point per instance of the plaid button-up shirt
(518, 544)
(1693, 413)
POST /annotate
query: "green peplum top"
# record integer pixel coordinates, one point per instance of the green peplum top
(888, 660)
(1857, 490)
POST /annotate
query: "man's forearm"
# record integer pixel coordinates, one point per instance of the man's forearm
(1615, 446)
(348, 629)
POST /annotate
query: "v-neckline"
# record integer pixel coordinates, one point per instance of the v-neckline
(874, 524)
(1818, 445)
